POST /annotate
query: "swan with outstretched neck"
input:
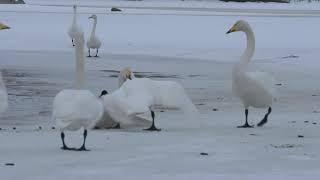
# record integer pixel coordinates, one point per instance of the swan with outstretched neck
(74, 28)
(3, 90)
(254, 89)
(93, 41)
(77, 108)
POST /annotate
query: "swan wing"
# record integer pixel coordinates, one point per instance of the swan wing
(265, 80)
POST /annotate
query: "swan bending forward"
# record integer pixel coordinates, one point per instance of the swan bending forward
(3, 91)
(77, 108)
(140, 95)
(253, 88)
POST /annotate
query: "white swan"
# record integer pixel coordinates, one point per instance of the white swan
(77, 108)
(125, 74)
(93, 41)
(141, 95)
(107, 122)
(74, 28)
(3, 90)
(253, 88)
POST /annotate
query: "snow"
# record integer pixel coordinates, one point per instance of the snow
(187, 46)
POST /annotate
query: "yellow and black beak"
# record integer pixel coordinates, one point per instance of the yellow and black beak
(3, 26)
(233, 29)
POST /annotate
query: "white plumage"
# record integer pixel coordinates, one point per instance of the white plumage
(77, 108)
(74, 28)
(254, 89)
(3, 90)
(3, 96)
(140, 95)
(93, 41)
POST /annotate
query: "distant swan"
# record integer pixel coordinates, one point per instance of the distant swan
(77, 108)
(3, 91)
(253, 88)
(74, 28)
(93, 41)
(141, 95)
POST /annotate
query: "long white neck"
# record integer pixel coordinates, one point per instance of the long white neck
(80, 74)
(93, 32)
(248, 53)
(74, 21)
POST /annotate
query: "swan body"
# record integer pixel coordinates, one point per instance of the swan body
(140, 95)
(254, 89)
(77, 108)
(93, 41)
(74, 28)
(3, 90)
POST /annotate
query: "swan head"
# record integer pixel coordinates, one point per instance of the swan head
(126, 73)
(103, 92)
(3, 26)
(93, 17)
(240, 25)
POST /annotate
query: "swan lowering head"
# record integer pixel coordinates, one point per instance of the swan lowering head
(240, 25)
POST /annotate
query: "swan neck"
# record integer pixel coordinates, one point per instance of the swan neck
(80, 78)
(93, 32)
(248, 53)
(74, 21)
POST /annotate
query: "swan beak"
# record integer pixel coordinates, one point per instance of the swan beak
(2, 26)
(233, 29)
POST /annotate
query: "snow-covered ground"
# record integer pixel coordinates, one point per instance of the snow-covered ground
(167, 43)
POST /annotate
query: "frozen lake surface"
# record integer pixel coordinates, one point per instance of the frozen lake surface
(189, 47)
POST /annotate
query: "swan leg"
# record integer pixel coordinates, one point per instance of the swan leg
(246, 125)
(89, 52)
(152, 127)
(64, 147)
(83, 147)
(97, 53)
(265, 119)
(72, 42)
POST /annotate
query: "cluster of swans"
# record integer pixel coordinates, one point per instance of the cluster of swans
(93, 41)
(78, 108)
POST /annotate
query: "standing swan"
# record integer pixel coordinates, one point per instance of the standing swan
(253, 88)
(74, 28)
(93, 41)
(77, 108)
(3, 91)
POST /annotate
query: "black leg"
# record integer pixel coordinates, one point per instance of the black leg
(97, 53)
(246, 125)
(265, 119)
(117, 126)
(64, 147)
(89, 52)
(152, 127)
(72, 42)
(83, 147)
